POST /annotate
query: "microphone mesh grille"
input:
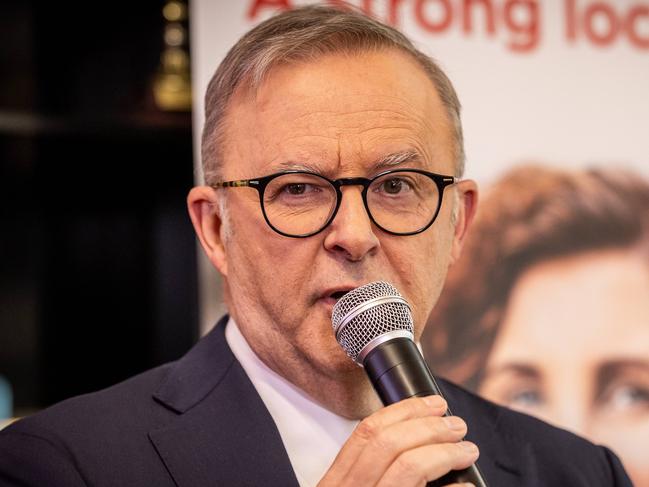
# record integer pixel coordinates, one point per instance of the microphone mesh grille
(373, 322)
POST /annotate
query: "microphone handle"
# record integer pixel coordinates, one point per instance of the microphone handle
(398, 371)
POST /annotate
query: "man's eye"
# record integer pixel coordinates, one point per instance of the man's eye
(295, 188)
(394, 186)
(298, 189)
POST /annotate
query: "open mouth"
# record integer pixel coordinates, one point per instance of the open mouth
(338, 294)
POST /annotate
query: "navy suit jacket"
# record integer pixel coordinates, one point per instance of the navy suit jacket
(199, 421)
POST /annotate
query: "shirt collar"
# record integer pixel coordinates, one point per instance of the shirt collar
(312, 434)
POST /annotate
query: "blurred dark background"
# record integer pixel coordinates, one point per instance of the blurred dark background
(97, 255)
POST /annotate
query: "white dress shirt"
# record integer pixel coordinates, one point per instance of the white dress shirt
(312, 435)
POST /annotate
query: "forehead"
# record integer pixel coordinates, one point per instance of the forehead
(340, 112)
(598, 302)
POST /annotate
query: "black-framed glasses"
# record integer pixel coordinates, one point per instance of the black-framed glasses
(301, 203)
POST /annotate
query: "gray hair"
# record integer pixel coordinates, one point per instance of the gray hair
(303, 35)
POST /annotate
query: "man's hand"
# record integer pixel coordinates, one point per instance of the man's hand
(405, 444)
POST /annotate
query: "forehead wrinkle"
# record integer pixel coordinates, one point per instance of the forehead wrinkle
(374, 127)
(295, 150)
(420, 134)
(346, 118)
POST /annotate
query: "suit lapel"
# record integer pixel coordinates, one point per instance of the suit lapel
(505, 458)
(223, 434)
(502, 458)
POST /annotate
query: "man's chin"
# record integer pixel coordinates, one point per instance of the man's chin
(340, 367)
(353, 396)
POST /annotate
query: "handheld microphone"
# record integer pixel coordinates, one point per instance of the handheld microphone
(374, 326)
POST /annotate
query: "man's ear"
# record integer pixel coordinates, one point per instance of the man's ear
(467, 204)
(204, 211)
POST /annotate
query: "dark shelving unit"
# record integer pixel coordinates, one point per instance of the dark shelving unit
(98, 274)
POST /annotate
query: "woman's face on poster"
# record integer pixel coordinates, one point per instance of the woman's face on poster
(573, 350)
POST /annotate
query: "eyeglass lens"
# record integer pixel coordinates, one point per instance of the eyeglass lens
(301, 204)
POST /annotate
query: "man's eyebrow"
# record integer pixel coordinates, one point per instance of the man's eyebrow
(385, 162)
(395, 159)
(300, 166)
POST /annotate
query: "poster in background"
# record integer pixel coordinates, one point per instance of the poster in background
(560, 83)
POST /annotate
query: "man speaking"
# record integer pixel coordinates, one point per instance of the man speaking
(333, 156)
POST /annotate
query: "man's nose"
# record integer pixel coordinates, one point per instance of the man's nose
(351, 233)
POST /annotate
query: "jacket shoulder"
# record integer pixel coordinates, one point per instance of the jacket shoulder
(126, 404)
(83, 438)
